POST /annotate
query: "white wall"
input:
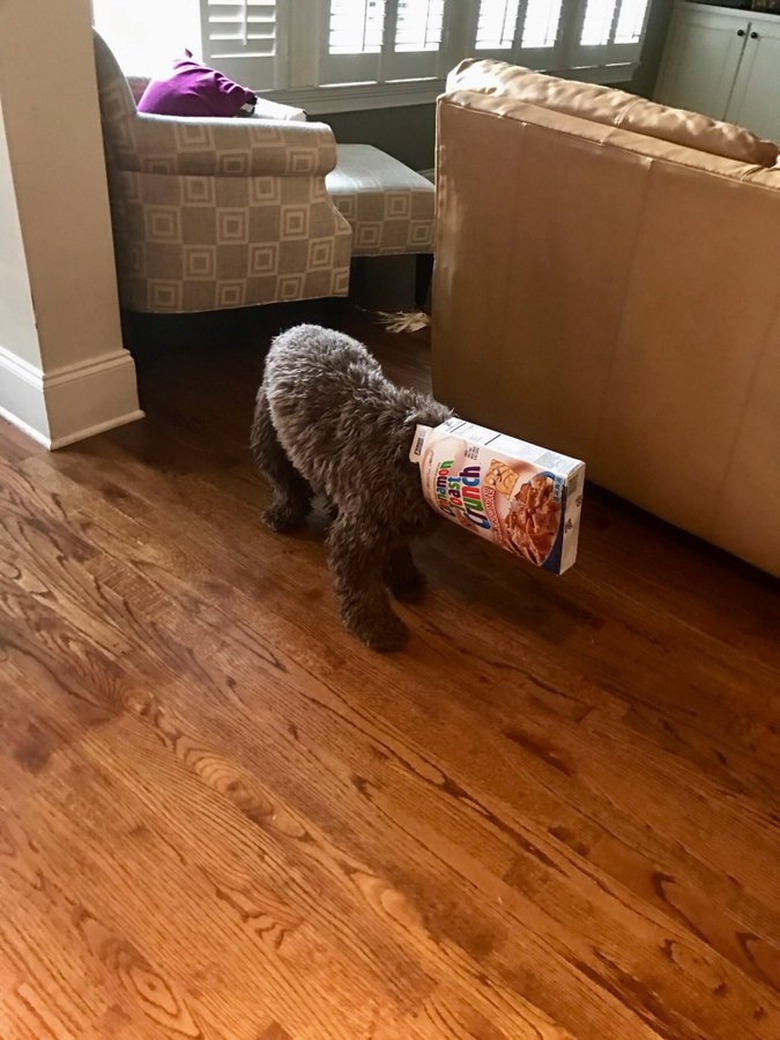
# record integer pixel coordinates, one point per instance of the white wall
(53, 192)
(17, 320)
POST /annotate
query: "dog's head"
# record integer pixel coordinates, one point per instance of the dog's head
(424, 410)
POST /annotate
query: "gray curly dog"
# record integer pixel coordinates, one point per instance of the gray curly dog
(328, 422)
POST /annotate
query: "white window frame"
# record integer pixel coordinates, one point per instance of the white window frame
(302, 73)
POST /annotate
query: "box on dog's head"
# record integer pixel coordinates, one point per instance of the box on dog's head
(518, 495)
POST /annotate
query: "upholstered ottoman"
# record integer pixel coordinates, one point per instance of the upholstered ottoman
(390, 207)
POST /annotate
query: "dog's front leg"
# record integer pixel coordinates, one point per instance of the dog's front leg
(292, 494)
(402, 577)
(358, 560)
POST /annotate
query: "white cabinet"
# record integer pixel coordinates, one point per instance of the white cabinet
(724, 63)
(755, 99)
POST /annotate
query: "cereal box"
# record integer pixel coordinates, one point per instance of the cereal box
(520, 496)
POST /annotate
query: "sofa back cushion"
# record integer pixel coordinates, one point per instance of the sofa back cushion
(613, 107)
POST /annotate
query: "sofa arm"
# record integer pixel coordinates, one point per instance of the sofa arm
(212, 147)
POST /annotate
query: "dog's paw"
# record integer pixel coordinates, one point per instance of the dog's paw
(284, 516)
(402, 577)
(384, 634)
(409, 588)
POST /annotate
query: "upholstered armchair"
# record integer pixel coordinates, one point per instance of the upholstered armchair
(213, 213)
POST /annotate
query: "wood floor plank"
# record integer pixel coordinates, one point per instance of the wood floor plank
(395, 814)
(555, 816)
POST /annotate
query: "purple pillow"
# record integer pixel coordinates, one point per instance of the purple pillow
(196, 90)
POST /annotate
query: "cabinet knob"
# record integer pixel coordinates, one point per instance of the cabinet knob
(754, 36)
(740, 32)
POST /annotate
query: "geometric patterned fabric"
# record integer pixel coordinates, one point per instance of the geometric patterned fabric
(218, 213)
(389, 206)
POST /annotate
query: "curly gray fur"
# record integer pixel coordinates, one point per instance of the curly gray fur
(328, 422)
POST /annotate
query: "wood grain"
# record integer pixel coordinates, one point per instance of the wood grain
(554, 817)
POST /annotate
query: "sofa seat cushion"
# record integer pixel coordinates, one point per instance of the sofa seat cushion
(611, 107)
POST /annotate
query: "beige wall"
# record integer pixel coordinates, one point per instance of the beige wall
(55, 147)
(17, 320)
(64, 373)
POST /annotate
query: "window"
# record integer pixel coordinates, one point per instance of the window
(612, 32)
(241, 37)
(540, 26)
(496, 23)
(382, 41)
(146, 35)
(600, 38)
(355, 30)
(331, 55)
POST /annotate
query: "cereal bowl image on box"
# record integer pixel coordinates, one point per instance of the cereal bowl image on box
(518, 495)
(530, 515)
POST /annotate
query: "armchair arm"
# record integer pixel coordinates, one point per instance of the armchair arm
(211, 147)
(138, 85)
(267, 109)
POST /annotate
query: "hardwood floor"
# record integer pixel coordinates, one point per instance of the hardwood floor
(554, 817)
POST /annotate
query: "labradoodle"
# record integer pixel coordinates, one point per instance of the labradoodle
(328, 422)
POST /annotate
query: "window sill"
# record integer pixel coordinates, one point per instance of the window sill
(356, 97)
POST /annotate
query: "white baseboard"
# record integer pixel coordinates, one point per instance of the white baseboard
(21, 396)
(70, 403)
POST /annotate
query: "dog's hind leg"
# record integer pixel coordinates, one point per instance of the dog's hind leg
(357, 562)
(292, 494)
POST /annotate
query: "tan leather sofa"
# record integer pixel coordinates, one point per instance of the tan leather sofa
(607, 283)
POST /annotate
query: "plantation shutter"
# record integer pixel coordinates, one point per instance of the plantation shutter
(352, 41)
(415, 34)
(525, 32)
(380, 41)
(240, 38)
(610, 33)
(563, 35)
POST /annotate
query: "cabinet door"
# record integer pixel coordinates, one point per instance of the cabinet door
(755, 100)
(701, 57)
